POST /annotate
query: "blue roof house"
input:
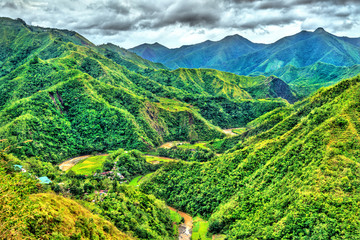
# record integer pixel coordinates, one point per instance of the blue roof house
(44, 180)
(17, 167)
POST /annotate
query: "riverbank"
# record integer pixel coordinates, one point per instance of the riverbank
(185, 229)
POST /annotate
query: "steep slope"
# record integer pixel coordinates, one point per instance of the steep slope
(90, 115)
(307, 80)
(298, 177)
(273, 87)
(82, 96)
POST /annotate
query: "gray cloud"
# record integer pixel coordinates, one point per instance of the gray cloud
(9, 5)
(117, 20)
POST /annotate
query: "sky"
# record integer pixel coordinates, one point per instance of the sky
(174, 23)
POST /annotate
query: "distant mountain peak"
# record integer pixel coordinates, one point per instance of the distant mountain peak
(320, 30)
(156, 44)
(235, 36)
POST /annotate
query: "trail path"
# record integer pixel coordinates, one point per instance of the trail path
(185, 229)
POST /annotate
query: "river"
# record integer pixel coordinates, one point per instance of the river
(185, 229)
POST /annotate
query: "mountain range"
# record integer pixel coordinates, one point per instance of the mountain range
(290, 54)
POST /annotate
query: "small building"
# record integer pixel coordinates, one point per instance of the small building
(107, 173)
(17, 167)
(120, 175)
(44, 180)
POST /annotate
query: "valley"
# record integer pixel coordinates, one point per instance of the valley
(101, 142)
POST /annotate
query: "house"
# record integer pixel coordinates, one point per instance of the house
(120, 175)
(44, 180)
(107, 173)
(17, 167)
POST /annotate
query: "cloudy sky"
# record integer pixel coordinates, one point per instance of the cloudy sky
(173, 23)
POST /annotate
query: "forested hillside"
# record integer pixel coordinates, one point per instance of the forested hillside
(293, 174)
(56, 86)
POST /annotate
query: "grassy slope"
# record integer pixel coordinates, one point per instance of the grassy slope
(57, 214)
(299, 178)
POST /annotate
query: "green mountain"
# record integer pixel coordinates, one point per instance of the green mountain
(294, 174)
(96, 98)
(77, 207)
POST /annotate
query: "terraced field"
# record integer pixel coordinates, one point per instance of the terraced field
(89, 165)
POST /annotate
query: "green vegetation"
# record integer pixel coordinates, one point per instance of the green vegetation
(139, 215)
(291, 172)
(67, 90)
(200, 229)
(28, 211)
(175, 217)
(89, 165)
(128, 163)
(135, 181)
(155, 159)
(306, 80)
(198, 154)
(239, 130)
(145, 178)
(176, 220)
(201, 145)
(135, 212)
(296, 177)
